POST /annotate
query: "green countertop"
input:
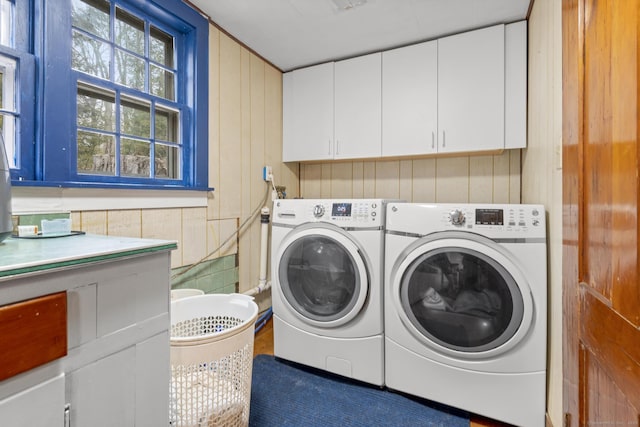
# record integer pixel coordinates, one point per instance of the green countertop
(22, 256)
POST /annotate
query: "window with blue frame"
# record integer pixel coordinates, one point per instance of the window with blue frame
(122, 95)
(17, 84)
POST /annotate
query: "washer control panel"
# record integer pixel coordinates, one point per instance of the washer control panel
(341, 212)
(510, 217)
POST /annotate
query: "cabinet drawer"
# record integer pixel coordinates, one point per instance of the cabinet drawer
(32, 333)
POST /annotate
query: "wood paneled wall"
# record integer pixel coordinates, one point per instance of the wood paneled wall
(245, 135)
(487, 179)
(542, 170)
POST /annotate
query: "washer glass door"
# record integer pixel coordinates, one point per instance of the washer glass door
(321, 279)
(461, 299)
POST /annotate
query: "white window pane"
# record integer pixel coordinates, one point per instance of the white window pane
(167, 124)
(161, 82)
(130, 70)
(129, 32)
(134, 158)
(6, 23)
(8, 133)
(96, 108)
(167, 161)
(135, 117)
(7, 83)
(8, 102)
(90, 56)
(91, 16)
(96, 153)
(161, 47)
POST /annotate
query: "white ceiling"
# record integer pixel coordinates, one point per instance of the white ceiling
(295, 33)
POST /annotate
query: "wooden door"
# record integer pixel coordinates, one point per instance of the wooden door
(601, 223)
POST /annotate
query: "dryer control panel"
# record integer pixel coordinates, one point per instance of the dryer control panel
(513, 217)
(493, 220)
(349, 212)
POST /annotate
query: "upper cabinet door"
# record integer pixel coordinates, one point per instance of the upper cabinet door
(358, 107)
(515, 85)
(471, 91)
(410, 100)
(308, 114)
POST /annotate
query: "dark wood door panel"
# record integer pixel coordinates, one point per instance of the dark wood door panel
(610, 152)
(601, 186)
(597, 146)
(614, 343)
(604, 404)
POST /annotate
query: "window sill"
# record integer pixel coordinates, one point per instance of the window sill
(31, 199)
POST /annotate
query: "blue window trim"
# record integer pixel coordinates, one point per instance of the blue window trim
(54, 154)
(26, 87)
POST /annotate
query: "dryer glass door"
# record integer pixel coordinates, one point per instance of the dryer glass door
(321, 279)
(461, 299)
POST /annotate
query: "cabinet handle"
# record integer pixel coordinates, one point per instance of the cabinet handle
(329, 151)
(444, 144)
(67, 415)
(433, 140)
(337, 147)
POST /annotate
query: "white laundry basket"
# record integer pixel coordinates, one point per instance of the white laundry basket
(184, 293)
(211, 360)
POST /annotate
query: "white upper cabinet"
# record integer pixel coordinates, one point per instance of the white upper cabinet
(333, 110)
(410, 100)
(471, 91)
(459, 94)
(515, 85)
(308, 114)
(358, 107)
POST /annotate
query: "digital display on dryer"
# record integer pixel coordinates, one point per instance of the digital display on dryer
(489, 217)
(341, 209)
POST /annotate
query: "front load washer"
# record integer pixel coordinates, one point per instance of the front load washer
(466, 307)
(327, 273)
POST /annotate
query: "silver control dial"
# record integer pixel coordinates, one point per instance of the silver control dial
(318, 211)
(457, 217)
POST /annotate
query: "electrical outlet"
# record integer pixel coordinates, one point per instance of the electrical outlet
(267, 173)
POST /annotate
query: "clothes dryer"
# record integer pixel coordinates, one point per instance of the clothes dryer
(466, 307)
(327, 273)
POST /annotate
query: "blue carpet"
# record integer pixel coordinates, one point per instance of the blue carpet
(286, 394)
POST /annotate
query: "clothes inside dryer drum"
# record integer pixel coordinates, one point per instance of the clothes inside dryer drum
(319, 278)
(461, 299)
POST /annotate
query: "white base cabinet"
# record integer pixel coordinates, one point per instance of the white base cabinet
(117, 369)
(39, 406)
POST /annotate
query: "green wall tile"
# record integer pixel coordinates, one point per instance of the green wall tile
(211, 276)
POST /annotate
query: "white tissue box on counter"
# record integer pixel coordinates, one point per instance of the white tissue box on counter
(55, 226)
